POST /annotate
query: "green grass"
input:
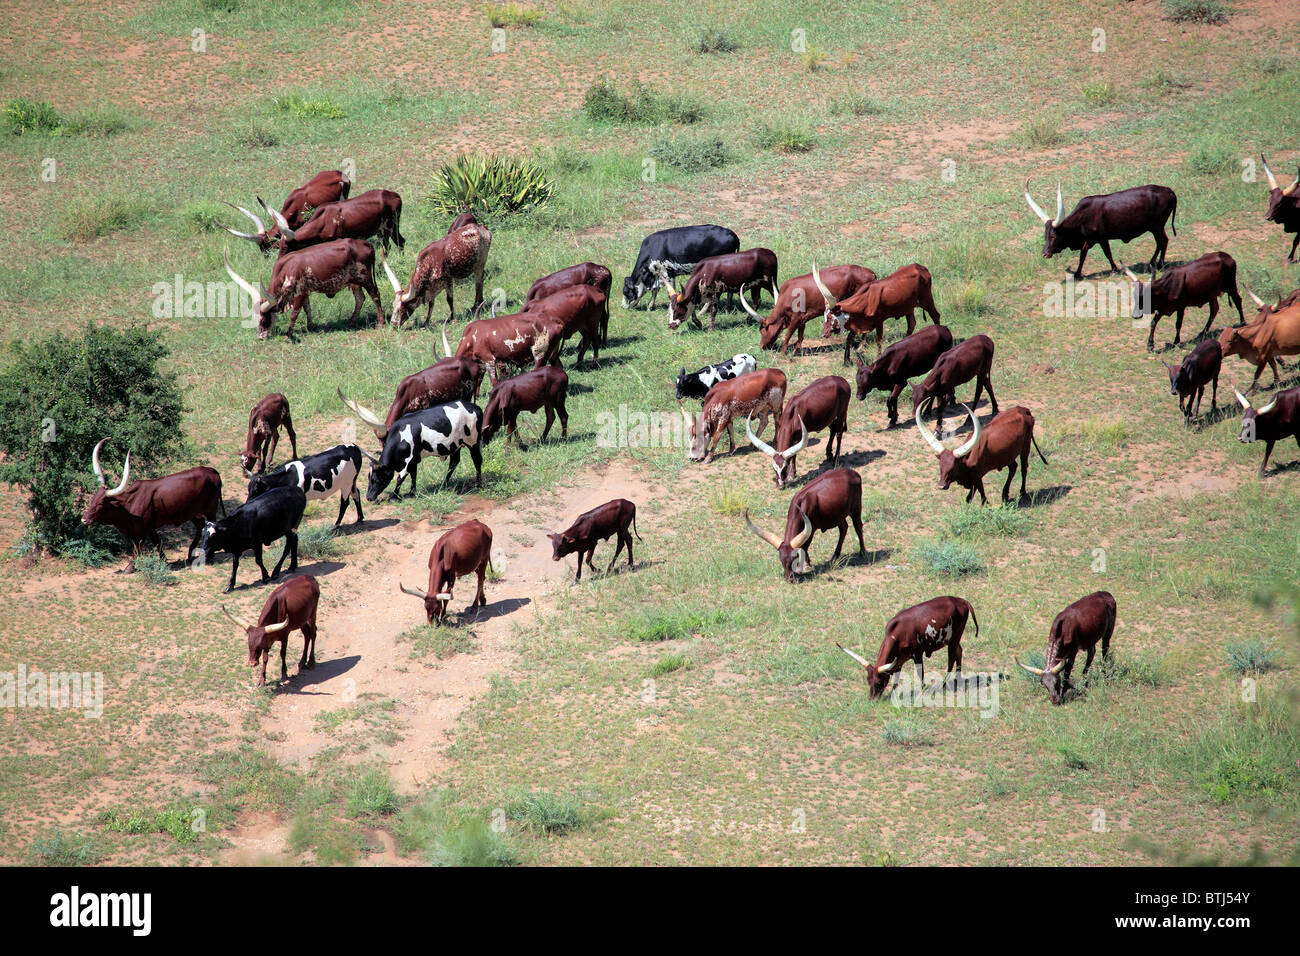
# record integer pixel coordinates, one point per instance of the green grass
(669, 664)
(970, 521)
(716, 41)
(948, 558)
(82, 220)
(785, 138)
(604, 102)
(1042, 133)
(318, 542)
(908, 733)
(512, 14)
(153, 571)
(371, 794)
(668, 624)
(1197, 11)
(57, 848)
(307, 107)
(548, 813)
(176, 822)
(693, 154)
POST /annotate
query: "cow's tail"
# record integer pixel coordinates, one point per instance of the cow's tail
(634, 531)
(1036, 448)
(975, 619)
(1173, 215)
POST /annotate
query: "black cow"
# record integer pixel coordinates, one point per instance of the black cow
(611, 518)
(697, 384)
(332, 472)
(674, 252)
(443, 430)
(1189, 286)
(905, 359)
(1188, 380)
(1284, 206)
(267, 518)
(1096, 220)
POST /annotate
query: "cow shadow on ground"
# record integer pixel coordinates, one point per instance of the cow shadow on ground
(1215, 415)
(298, 683)
(616, 340)
(1282, 469)
(619, 568)
(577, 388)
(492, 610)
(1043, 496)
(851, 459)
(370, 524)
(854, 558)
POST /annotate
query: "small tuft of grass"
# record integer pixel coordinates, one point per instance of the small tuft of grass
(174, 821)
(440, 641)
(371, 794)
(56, 848)
(1146, 669)
(652, 623)
(856, 104)
(814, 60)
(1251, 656)
(1071, 758)
(469, 841)
(716, 41)
(907, 732)
(1042, 133)
(948, 558)
(84, 219)
(318, 541)
(605, 103)
(512, 14)
(1165, 83)
(784, 138)
(669, 663)
(548, 813)
(730, 502)
(308, 107)
(693, 155)
(203, 216)
(24, 117)
(1099, 434)
(86, 553)
(1100, 93)
(1197, 11)
(1213, 155)
(969, 521)
(154, 570)
(257, 136)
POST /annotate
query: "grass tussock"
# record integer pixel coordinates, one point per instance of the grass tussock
(969, 521)
(693, 155)
(547, 813)
(949, 559)
(785, 138)
(317, 542)
(1042, 133)
(716, 41)
(1197, 11)
(668, 664)
(1252, 656)
(493, 185)
(907, 732)
(606, 103)
(651, 623)
(512, 14)
(82, 220)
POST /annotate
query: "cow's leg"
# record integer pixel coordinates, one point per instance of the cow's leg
(283, 554)
(1200, 393)
(1290, 257)
(476, 456)
(550, 420)
(480, 598)
(451, 308)
(1087, 662)
(919, 664)
(880, 334)
(478, 290)
(579, 577)
(1178, 327)
(373, 291)
(1105, 247)
(1268, 450)
(1214, 310)
(284, 653)
(856, 515)
(988, 387)
(1024, 471)
(1162, 243)
(452, 461)
(564, 417)
(979, 387)
(343, 508)
(234, 570)
(979, 485)
(298, 302)
(911, 321)
(1214, 396)
(1006, 489)
(356, 501)
(308, 641)
(157, 541)
(1151, 333)
(618, 549)
(358, 300)
(892, 405)
(839, 545)
(954, 657)
(1083, 254)
(269, 445)
(198, 533)
(848, 345)
(591, 554)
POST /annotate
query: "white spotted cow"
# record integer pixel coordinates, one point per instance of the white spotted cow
(697, 384)
(917, 632)
(442, 430)
(332, 472)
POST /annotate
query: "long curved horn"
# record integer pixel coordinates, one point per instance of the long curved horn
(443, 595)
(1292, 188)
(1058, 668)
(1060, 204)
(857, 657)
(1129, 272)
(1033, 670)
(1038, 211)
(414, 592)
(94, 462)
(242, 625)
(1256, 299)
(258, 298)
(365, 414)
(799, 540)
(925, 432)
(799, 445)
(397, 286)
(1245, 402)
(746, 306)
(690, 422)
(964, 450)
(373, 459)
(279, 220)
(276, 628)
(261, 228)
(754, 440)
(126, 477)
(1267, 408)
(886, 668)
(446, 346)
(821, 287)
(770, 538)
(1272, 180)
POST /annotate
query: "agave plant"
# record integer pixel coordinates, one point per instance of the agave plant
(489, 184)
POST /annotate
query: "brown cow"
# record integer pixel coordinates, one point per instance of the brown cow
(762, 391)
(326, 187)
(376, 212)
(290, 607)
(1189, 286)
(898, 294)
(1188, 380)
(1079, 627)
(1007, 438)
(711, 277)
(611, 518)
(579, 308)
(442, 263)
(970, 359)
(1283, 206)
(1274, 332)
(917, 632)
(799, 299)
(905, 359)
(264, 424)
(828, 501)
(138, 511)
(465, 549)
(449, 380)
(1277, 420)
(543, 388)
(584, 273)
(509, 340)
(823, 404)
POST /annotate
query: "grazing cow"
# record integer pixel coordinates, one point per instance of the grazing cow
(325, 187)
(762, 391)
(264, 424)
(1188, 379)
(441, 430)
(139, 509)
(897, 295)
(905, 359)
(1078, 628)
(327, 268)
(258, 522)
(673, 252)
(1199, 282)
(1274, 332)
(332, 472)
(449, 380)
(509, 340)
(1284, 207)
(376, 212)
(1096, 220)
(1276, 421)
(916, 632)
(697, 384)
(291, 607)
(970, 359)
(1007, 438)
(455, 257)
(799, 299)
(465, 549)
(581, 537)
(584, 273)
(828, 501)
(823, 404)
(543, 388)
(715, 275)
(582, 309)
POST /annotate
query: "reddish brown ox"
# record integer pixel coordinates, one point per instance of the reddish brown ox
(581, 537)
(1007, 438)
(828, 501)
(762, 391)
(896, 295)
(584, 273)
(441, 264)
(138, 511)
(543, 388)
(917, 632)
(1078, 628)
(509, 340)
(328, 268)
(1274, 332)
(711, 277)
(1190, 286)
(326, 187)
(905, 359)
(291, 607)
(1276, 421)
(264, 423)
(465, 549)
(1284, 206)
(376, 212)
(799, 299)
(579, 308)
(971, 359)
(1188, 380)
(449, 380)
(823, 404)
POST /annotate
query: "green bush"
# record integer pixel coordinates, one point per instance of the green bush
(546, 812)
(605, 103)
(1197, 11)
(786, 139)
(716, 41)
(154, 570)
(317, 542)
(469, 841)
(1251, 656)
(512, 14)
(55, 848)
(948, 558)
(308, 107)
(31, 116)
(491, 185)
(693, 155)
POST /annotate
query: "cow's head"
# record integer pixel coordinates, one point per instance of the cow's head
(1053, 242)
(632, 292)
(257, 486)
(678, 308)
(561, 544)
(769, 326)
(1249, 416)
(832, 318)
(381, 473)
(1277, 196)
(700, 430)
(952, 465)
(877, 677)
(435, 605)
(793, 553)
(403, 299)
(103, 494)
(1232, 341)
(782, 461)
(212, 539)
(263, 238)
(247, 460)
(265, 305)
(1176, 376)
(681, 384)
(257, 637)
(1141, 295)
(1050, 677)
(869, 378)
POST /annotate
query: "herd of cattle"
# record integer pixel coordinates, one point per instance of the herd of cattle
(326, 241)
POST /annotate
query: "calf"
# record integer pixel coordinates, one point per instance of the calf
(673, 252)
(697, 384)
(546, 387)
(917, 632)
(449, 380)
(1096, 220)
(897, 295)
(1079, 627)
(442, 430)
(465, 549)
(332, 472)
(823, 404)
(761, 391)
(580, 308)
(828, 501)
(264, 424)
(970, 359)
(799, 298)
(1276, 421)
(1283, 206)
(291, 607)
(456, 256)
(905, 359)
(260, 521)
(729, 273)
(1199, 282)
(611, 518)
(1188, 379)
(1007, 438)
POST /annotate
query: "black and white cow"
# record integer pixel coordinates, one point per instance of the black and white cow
(254, 524)
(674, 252)
(332, 472)
(697, 384)
(442, 430)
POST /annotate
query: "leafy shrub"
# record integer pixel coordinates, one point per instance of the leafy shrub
(318, 541)
(1251, 656)
(86, 553)
(948, 558)
(55, 848)
(491, 185)
(693, 155)
(1197, 11)
(154, 570)
(716, 41)
(786, 139)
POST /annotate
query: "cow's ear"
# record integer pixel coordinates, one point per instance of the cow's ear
(553, 537)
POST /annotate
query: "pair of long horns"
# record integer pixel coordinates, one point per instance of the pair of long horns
(959, 452)
(99, 472)
(366, 415)
(422, 595)
(261, 233)
(768, 449)
(246, 626)
(882, 669)
(745, 305)
(1060, 205)
(1272, 180)
(1038, 671)
(397, 286)
(798, 541)
(1245, 403)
